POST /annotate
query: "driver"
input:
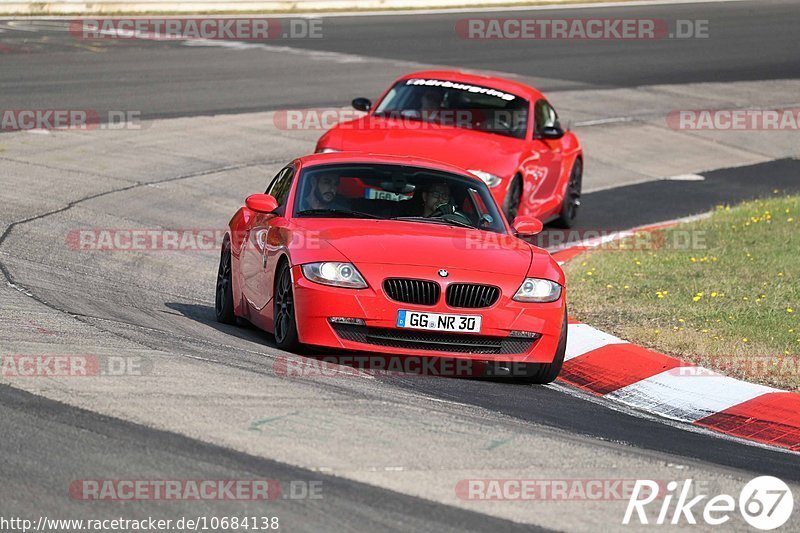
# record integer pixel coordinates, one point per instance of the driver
(323, 192)
(431, 100)
(430, 104)
(435, 196)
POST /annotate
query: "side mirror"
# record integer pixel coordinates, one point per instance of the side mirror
(362, 104)
(552, 132)
(526, 226)
(262, 203)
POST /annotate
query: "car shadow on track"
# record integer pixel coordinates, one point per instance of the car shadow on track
(322, 362)
(204, 314)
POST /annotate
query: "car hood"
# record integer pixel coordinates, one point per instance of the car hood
(464, 148)
(422, 244)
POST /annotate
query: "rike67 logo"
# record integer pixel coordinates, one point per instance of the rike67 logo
(765, 503)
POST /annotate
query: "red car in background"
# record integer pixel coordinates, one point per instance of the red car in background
(502, 131)
(394, 255)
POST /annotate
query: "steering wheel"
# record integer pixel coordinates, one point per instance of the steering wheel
(449, 211)
(504, 124)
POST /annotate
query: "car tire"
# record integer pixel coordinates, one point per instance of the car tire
(223, 303)
(572, 197)
(284, 320)
(513, 199)
(541, 373)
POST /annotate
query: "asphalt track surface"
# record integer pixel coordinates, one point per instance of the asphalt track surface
(754, 40)
(32, 425)
(46, 443)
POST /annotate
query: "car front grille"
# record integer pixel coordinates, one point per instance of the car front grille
(434, 341)
(412, 291)
(471, 295)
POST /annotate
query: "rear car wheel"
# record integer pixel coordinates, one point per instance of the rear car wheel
(572, 197)
(539, 373)
(223, 303)
(285, 324)
(513, 197)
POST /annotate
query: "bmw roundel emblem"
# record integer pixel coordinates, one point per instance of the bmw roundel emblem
(444, 273)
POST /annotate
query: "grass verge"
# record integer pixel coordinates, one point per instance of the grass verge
(723, 292)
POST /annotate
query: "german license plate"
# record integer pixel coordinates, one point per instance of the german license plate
(439, 322)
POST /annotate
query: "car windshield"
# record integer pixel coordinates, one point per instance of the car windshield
(396, 192)
(456, 104)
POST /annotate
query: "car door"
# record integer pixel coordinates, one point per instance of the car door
(542, 166)
(263, 242)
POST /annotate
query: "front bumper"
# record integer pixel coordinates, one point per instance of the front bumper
(315, 304)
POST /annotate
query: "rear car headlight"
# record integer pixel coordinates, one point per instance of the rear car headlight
(489, 179)
(334, 274)
(538, 290)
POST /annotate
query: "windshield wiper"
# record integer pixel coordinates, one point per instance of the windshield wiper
(436, 220)
(343, 212)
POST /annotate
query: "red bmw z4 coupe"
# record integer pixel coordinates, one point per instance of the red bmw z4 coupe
(502, 131)
(393, 254)
(396, 255)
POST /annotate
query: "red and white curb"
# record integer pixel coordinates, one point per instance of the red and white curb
(668, 387)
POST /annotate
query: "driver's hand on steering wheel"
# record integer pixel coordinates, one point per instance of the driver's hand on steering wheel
(444, 208)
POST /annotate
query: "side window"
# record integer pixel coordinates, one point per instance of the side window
(280, 186)
(544, 115)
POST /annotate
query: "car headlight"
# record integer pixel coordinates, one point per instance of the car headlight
(538, 290)
(327, 150)
(334, 274)
(489, 179)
